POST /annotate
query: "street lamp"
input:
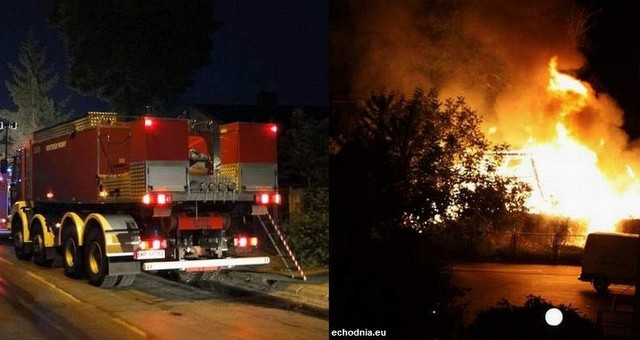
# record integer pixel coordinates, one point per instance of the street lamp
(6, 126)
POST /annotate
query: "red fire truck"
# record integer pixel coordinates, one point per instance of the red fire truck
(117, 197)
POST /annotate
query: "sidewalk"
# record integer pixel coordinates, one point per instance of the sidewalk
(273, 281)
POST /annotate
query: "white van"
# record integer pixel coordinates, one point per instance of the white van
(610, 258)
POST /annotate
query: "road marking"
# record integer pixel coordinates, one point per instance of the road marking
(6, 261)
(130, 327)
(39, 278)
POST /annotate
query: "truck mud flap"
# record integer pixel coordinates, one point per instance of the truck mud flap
(124, 267)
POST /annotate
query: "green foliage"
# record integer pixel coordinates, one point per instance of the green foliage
(134, 53)
(304, 151)
(32, 81)
(308, 231)
(304, 163)
(507, 321)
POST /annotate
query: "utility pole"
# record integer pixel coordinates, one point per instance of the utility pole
(6, 126)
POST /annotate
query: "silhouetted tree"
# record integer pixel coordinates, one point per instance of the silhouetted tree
(32, 81)
(425, 164)
(134, 53)
(304, 151)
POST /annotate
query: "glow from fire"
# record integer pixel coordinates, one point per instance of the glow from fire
(564, 174)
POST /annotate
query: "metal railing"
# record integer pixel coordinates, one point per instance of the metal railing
(523, 246)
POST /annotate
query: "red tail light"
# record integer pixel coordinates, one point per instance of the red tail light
(268, 199)
(155, 243)
(243, 242)
(162, 199)
(148, 122)
(156, 199)
(264, 199)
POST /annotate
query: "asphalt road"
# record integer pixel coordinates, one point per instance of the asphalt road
(490, 282)
(38, 302)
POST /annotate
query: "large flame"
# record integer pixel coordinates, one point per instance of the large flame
(565, 174)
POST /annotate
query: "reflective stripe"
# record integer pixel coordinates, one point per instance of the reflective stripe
(230, 262)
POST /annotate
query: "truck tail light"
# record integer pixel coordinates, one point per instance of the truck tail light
(244, 242)
(268, 199)
(163, 199)
(154, 243)
(157, 199)
(148, 122)
(263, 198)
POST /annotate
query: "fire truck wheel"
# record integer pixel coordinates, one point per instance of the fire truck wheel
(96, 261)
(18, 245)
(39, 250)
(72, 255)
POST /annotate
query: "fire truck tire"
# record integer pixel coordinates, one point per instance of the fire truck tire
(18, 245)
(96, 262)
(72, 257)
(38, 249)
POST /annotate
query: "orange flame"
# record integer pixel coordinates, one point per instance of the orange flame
(564, 173)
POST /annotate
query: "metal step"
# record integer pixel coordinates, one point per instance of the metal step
(279, 243)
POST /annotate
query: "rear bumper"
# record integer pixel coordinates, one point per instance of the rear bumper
(194, 264)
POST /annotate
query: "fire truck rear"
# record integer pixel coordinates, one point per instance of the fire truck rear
(117, 197)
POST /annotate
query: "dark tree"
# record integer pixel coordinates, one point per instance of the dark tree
(30, 87)
(304, 151)
(425, 164)
(134, 53)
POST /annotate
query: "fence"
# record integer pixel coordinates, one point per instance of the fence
(522, 246)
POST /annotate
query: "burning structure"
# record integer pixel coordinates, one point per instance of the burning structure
(518, 64)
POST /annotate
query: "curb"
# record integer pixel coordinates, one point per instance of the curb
(313, 293)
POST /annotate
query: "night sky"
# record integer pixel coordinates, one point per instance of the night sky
(277, 46)
(613, 53)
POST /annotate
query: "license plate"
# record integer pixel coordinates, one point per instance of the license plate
(150, 254)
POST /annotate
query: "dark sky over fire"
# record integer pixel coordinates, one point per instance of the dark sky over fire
(493, 52)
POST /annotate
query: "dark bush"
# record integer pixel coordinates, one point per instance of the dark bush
(308, 231)
(507, 321)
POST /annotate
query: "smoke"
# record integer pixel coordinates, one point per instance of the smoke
(495, 53)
